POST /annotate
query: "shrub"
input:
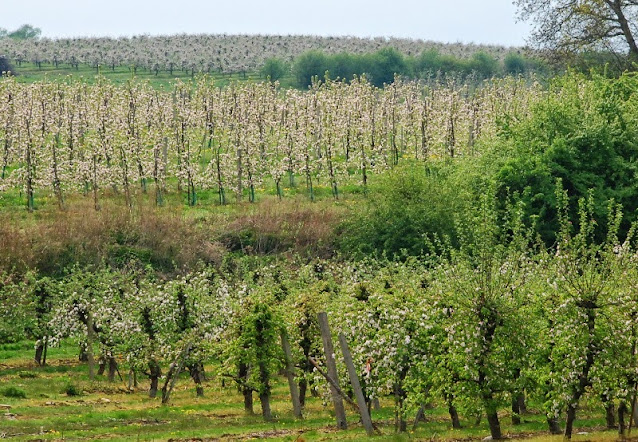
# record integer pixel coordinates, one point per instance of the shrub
(583, 134)
(13, 392)
(408, 207)
(71, 389)
(484, 65)
(309, 65)
(274, 69)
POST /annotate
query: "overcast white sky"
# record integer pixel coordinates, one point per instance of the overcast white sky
(478, 21)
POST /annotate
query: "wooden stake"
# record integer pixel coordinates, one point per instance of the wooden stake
(90, 336)
(290, 374)
(328, 348)
(356, 386)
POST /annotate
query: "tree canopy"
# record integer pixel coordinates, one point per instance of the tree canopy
(24, 32)
(576, 26)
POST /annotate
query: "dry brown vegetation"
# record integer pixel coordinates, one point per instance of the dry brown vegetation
(284, 226)
(169, 239)
(114, 235)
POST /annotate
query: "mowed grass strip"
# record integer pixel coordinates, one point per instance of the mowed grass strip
(106, 410)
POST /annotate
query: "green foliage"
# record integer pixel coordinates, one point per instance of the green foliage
(274, 69)
(431, 62)
(71, 389)
(345, 66)
(484, 65)
(410, 207)
(515, 63)
(309, 65)
(384, 64)
(381, 67)
(13, 392)
(25, 32)
(584, 134)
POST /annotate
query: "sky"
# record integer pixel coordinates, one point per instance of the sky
(466, 21)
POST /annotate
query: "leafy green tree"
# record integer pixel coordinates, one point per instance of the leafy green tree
(515, 63)
(25, 32)
(384, 64)
(571, 26)
(309, 65)
(584, 280)
(409, 206)
(583, 133)
(483, 64)
(274, 69)
(345, 66)
(483, 285)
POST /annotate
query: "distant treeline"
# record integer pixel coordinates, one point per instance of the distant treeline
(381, 66)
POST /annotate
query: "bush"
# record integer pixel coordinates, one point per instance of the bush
(583, 134)
(409, 206)
(384, 64)
(309, 65)
(13, 392)
(484, 65)
(515, 64)
(71, 389)
(274, 69)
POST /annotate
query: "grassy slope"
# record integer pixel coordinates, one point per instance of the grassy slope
(108, 411)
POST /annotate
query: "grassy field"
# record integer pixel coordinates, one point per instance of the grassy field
(29, 72)
(109, 411)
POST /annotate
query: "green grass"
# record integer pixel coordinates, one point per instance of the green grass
(29, 73)
(108, 411)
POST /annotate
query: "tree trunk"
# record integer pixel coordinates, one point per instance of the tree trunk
(89, 345)
(112, 368)
(303, 386)
(553, 425)
(622, 409)
(495, 426)
(569, 423)
(248, 400)
(522, 407)
(625, 27)
(516, 411)
(39, 350)
(247, 392)
(197, 374)
(264, 398)
(610, 415)
(454, 415)
(155, 373)
(420, 417)
(101, 363)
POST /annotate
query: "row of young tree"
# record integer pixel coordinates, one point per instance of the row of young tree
(61, 138)
(502, 321)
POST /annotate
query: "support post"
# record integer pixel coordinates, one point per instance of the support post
(356, 386)
(290, 374)
(328, 348)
